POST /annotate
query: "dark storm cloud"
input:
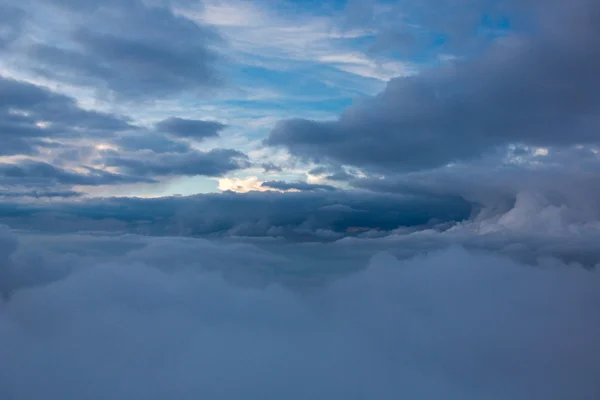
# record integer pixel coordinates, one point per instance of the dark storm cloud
(36, 173)
(299, 216)
(538, 89)
(301, 186)
(130, 49)
(210, 163)
(190, 128)
(29, 113)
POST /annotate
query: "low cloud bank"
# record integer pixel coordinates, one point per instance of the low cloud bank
(127, 317)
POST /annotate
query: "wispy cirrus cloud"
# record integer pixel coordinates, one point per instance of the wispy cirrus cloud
(277, 39)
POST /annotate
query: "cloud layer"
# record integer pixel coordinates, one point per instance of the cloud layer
(436, 240)
(121, 319)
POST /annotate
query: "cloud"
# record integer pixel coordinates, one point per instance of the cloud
(332, 173)
(271, 167)
(297, 216)
(301, 186)
(30, 113)
(190, 128)
(215, 162)
(37, 173)
(288, 37)
(26, 102)
(40, 194)
(526, 215)
(151, 141)
(130, 49)
(528, 89)
(11, 21)
(565, 177)
(133, 317)
(462, 263)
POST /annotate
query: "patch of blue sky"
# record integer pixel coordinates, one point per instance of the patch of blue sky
(295, 107)
(322, 7)
(303, 83)
(315, 82)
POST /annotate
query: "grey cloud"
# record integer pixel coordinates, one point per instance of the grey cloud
(210, 163)
(37, 173)
(332, 173)
(302, 186)
(270, 167)
(566, 177)
(131, 49)
(11, 146)
(30, 113)
(297, 216)
(539, 90)
(38, 194)
(108, 310)
(340, 176)
(11, 21)
(527, 212)
(190, 128)
(524, 219)
(151, 141)
(24, 103)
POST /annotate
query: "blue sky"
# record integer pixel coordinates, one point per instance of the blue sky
(337, 93)
(272, 60)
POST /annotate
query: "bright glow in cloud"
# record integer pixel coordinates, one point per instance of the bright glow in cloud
(241, 185)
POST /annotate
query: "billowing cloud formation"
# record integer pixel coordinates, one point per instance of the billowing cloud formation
(190, 128)
(133, 317)
(539, 89)
(565, 179)
(132, 49)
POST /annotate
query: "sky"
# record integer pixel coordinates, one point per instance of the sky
(337, 199)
